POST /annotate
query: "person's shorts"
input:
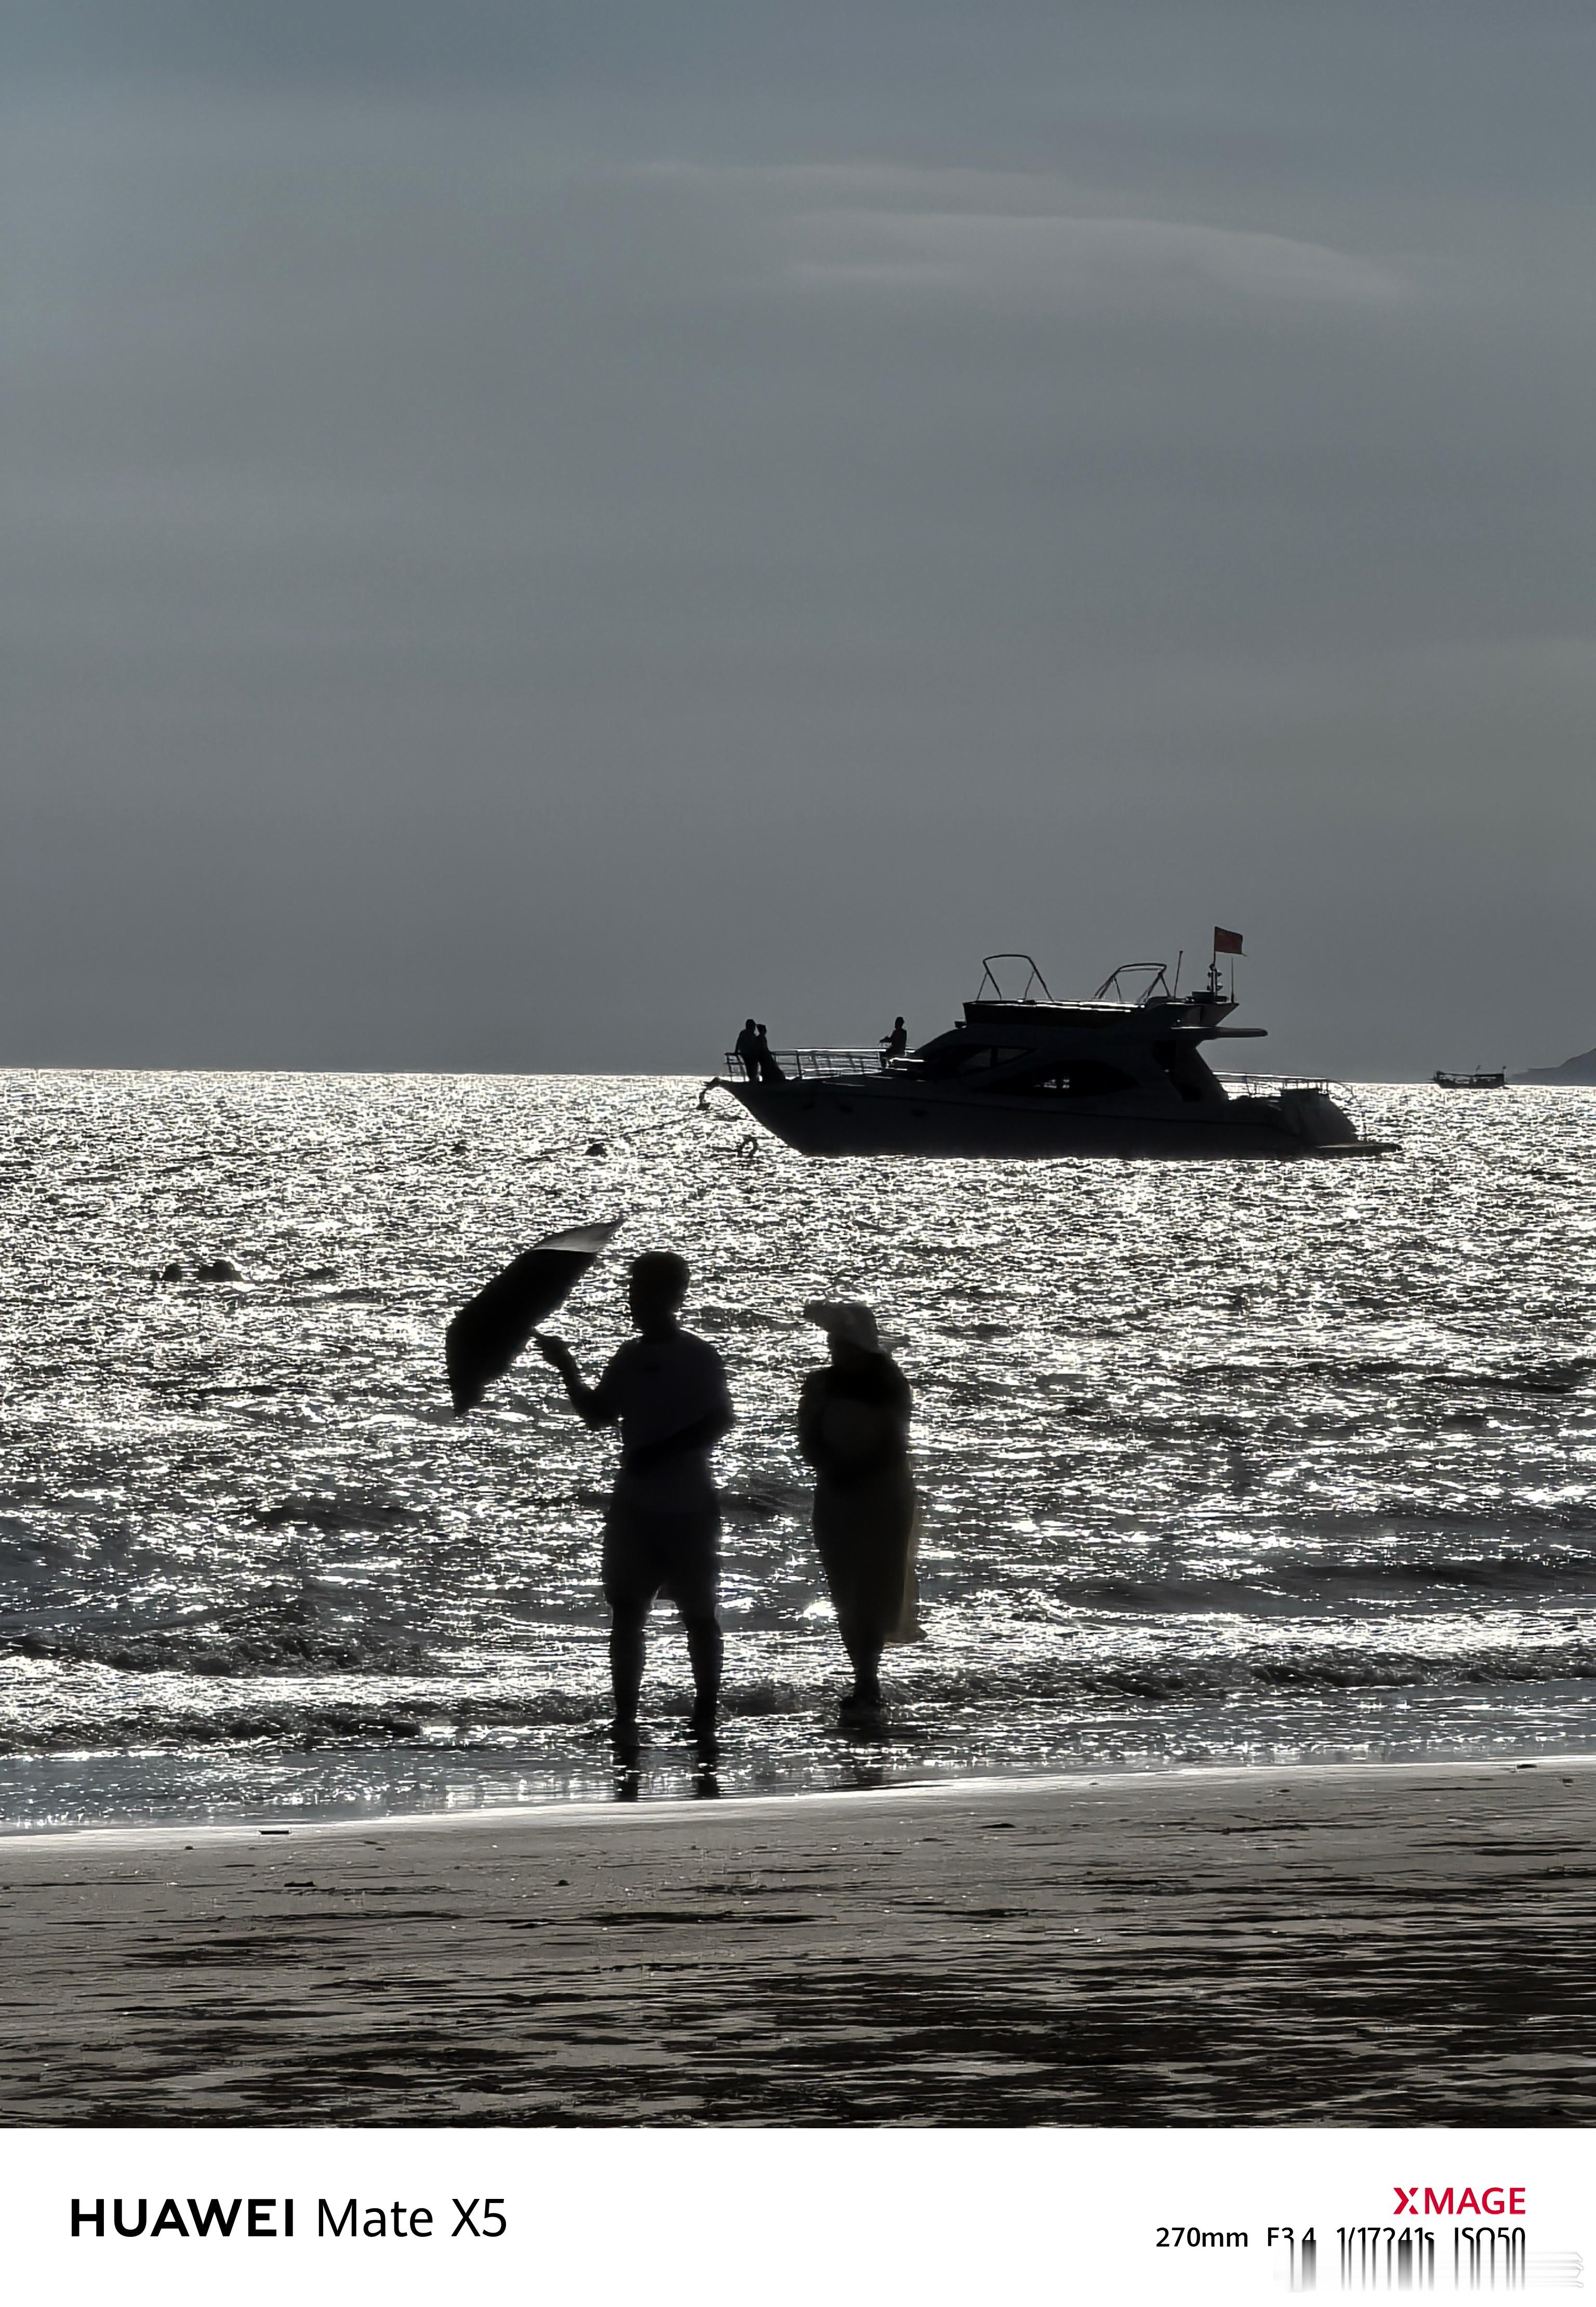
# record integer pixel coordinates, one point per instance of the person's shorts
(677, 1555)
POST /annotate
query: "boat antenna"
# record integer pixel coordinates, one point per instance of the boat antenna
(1180, 957)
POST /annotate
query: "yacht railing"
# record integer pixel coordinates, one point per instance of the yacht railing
(818, 1065)
(989, 976)
(1157, 983)
(1271, 1084)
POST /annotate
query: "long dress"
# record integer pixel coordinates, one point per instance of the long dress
(854, 1429)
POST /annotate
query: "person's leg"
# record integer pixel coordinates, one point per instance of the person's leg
(630, 1583)
(836, 1561)
(865, 1658)
(628, 1616)
(706, 1649)
(872, 1608)
(692, 1584)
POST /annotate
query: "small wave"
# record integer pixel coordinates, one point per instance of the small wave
(155, 1730)
(1372, 1530)
(1335, 1583)
(212, 1649)
(1235, 1675)
(1549, 1377)
(739, 1317)
(1395, 1671)
(764, 1505)
(338, 1512)
(1499, 1574)
(479, 1726)
(964, 1698)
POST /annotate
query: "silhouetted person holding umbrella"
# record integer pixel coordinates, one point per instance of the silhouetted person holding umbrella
(667, 1391)
(854, 1429)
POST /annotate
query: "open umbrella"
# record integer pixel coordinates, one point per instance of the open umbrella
(485, 1336)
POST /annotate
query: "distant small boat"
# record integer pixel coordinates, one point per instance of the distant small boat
(1478, 1079)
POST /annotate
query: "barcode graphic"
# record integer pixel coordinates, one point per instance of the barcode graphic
(1387, 2259)
(1557, 2270)
(1407, 2259)
(1305, 2264)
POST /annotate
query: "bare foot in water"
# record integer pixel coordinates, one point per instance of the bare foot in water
(858, 1705)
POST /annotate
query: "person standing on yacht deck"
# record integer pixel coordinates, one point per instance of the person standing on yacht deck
(895, 1043)
(747, 1046)
(769, 1070)
(667, 1392)
(854, 1429)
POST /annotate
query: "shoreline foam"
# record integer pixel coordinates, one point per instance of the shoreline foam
(584, 1809)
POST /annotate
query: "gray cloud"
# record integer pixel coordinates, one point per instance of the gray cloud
(511, 555)
(1065, 259)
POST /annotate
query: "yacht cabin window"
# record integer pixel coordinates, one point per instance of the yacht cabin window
(1082, 1077)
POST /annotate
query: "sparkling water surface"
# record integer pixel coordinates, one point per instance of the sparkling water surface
(1238, 1461)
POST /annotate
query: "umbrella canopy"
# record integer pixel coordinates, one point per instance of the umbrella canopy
(485, 1336)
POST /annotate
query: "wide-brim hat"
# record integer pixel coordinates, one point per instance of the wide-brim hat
(847, 1318)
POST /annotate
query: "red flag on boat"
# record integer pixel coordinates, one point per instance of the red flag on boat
(1228, 941)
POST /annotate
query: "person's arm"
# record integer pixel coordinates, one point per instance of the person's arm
(811, 1399)
(901, 1410)
(589, 1402)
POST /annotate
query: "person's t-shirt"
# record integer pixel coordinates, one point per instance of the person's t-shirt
(657, 1387)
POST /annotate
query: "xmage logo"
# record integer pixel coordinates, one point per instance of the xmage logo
(1449, 2203)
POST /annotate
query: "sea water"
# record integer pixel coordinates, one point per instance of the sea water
(1221, 1462)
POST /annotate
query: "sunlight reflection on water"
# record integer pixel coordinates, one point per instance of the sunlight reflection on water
(1221, 1462)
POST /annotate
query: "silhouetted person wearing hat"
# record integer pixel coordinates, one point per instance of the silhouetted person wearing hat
(853, 1429)
(667, 1391)
(769, 1070)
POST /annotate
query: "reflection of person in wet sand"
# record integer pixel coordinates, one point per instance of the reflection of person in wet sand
(667, 1390)
(854, 1429)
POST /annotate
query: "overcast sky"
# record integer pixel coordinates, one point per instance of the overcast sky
(530, 531)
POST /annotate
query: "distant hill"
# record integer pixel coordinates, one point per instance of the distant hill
(1573, 1072)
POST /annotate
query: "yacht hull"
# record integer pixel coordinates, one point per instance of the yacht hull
(864, 1118)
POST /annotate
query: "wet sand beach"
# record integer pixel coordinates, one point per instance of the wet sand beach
(1380, 1944)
